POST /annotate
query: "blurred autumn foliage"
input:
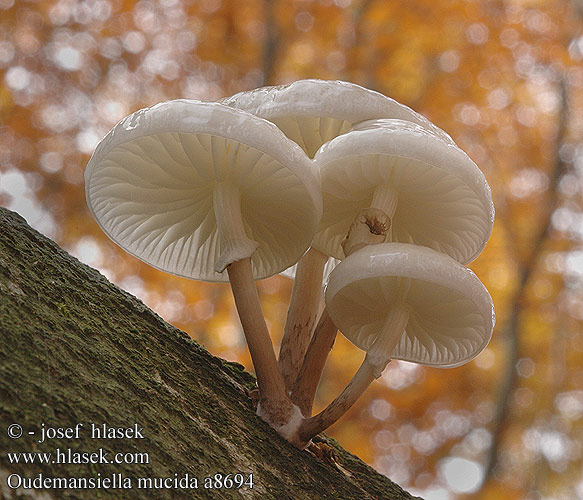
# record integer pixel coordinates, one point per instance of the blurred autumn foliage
(503, 77)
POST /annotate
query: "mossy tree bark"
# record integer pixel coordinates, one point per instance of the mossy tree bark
(75, 349)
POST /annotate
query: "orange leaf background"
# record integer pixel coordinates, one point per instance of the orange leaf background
(503, 77)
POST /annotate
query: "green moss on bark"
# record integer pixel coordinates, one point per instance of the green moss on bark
(76, 349)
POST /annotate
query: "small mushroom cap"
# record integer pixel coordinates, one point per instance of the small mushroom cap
(312, 112)
(444, 201)
(150, 181)
(451, 314)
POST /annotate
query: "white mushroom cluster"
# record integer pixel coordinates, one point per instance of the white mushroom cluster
(346, 184)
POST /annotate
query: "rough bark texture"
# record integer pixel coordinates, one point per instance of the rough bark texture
(76, 349)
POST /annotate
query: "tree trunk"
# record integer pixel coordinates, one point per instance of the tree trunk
(76, 352)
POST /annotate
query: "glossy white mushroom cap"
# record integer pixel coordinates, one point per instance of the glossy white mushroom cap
(312, 112)
(150, 184)
(451, 315)
(444, 201)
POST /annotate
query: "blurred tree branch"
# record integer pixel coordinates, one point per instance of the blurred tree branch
(556, 376)
(353, 21)
(271, 42)
(519, 300)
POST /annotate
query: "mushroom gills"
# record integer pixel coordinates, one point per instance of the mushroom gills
(443, 199)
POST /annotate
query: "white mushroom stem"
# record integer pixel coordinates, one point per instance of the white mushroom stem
(371, 226)
(302, 314)
(275, 405)
(236, 249)
(375, 361)
(303, 391)
(234, 243)
(318, 423)
(379, 354)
